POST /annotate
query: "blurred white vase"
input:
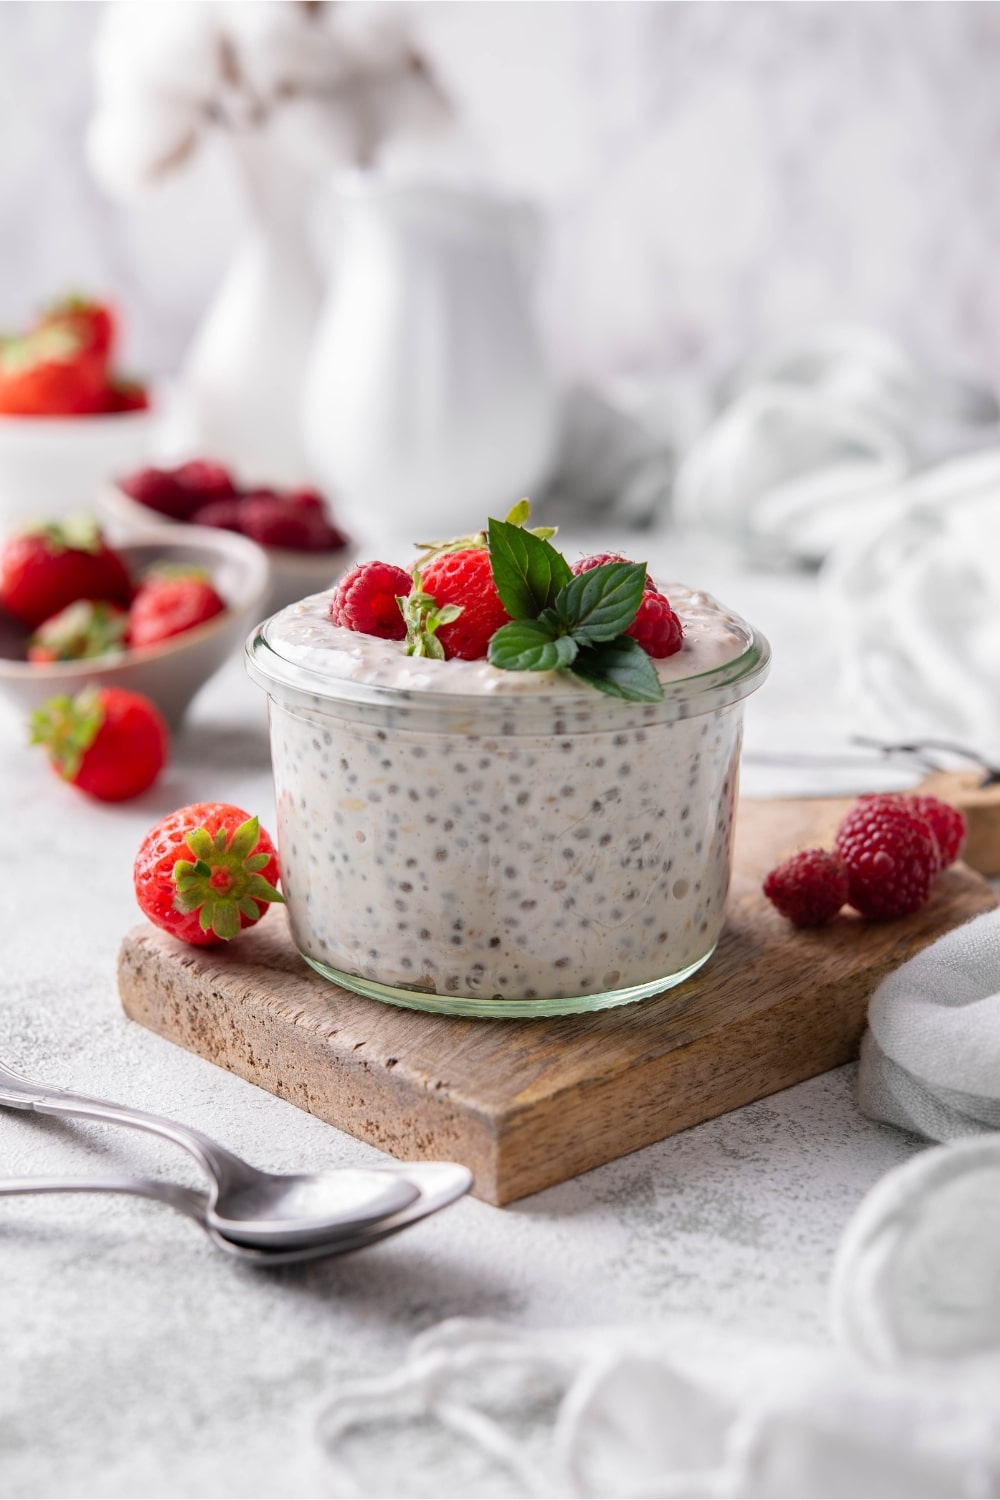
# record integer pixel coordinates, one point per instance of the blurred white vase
(428, 403)
(240, 396)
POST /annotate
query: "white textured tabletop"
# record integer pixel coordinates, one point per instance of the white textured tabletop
(139, 1361)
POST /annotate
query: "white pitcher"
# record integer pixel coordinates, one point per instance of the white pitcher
(428, 404)
(241, 386)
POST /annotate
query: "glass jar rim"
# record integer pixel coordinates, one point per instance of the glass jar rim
(684, 697)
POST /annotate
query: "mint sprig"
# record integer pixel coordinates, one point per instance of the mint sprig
(563, 620)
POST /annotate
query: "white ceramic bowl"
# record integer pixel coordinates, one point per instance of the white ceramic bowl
(293, 574)
(56, 466)
(170, 673)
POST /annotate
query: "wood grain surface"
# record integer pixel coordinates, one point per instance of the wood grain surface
(526, 1104)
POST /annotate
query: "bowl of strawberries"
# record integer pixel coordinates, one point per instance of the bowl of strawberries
(156, 616)
(69, 419)
(306, 549)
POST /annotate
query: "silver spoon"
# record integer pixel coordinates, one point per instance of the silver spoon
(247, 1206)
(438, 1183)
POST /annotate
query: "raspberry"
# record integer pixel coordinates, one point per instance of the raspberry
(656, 627)
(204, 481)
(598, 560)
(225, 514)
(365, 600)
(465, 578)
(809, 889)
(891, 856)
(267, 520)
(158, 490)
(947, 825)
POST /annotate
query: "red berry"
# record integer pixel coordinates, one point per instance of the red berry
(168, 605)
(267, 520)
(110, 743)
(124, 395)
(599, 559)
(92, 322)
(947, 823)
(204, 480)
(306, 500)
(158, 490)
(89, 627)
(365, 600)
(50, 373)
(225, 514)
(466, 579)
(656, 627)
(205, 872)
(891, 856)
(809, 889)
(44, 569)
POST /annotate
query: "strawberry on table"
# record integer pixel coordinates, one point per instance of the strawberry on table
(47, 567)
(168, 604)
(109, 743)
(123, 394)
(206, 872)
(89, 627)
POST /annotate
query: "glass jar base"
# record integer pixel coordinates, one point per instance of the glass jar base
(469, 1005)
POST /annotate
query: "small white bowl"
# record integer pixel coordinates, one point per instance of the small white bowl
(55, 466)
(170, 673)
(293, 574)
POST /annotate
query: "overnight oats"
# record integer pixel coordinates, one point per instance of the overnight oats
(506, 840)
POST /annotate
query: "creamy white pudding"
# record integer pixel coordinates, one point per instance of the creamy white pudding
(460, 838)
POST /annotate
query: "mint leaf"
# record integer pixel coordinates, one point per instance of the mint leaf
(601, 603)
(620, 668)
(530, 646)
(527, 571)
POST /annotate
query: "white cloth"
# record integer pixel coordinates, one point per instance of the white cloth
(905, 1402)
(915, 603)
(816, 433)
(930, 1060)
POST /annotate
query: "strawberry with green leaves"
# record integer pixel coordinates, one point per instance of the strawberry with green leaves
(109, 743)
(206, 872)
(86, 628)
(44, 568)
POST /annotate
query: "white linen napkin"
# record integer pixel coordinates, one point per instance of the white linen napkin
(905, 1402)
(816, 433)
(915, 604)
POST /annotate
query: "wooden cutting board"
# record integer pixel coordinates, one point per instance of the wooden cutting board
(526, 1104)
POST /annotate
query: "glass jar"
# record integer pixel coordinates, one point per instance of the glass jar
(486, 843)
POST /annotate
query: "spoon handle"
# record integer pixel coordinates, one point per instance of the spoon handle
(20, 1093)
(185, 1200)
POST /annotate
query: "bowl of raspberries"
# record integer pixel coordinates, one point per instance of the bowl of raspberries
(306, 549)
(158, 615)
(69, 417)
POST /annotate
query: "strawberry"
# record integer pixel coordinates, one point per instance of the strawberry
(89, 627)
(168, 604)
(205, 872)
(93, 323)
(464, 580)
(122, 394)
(50, 373)
(110, 743)
(45, 568)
